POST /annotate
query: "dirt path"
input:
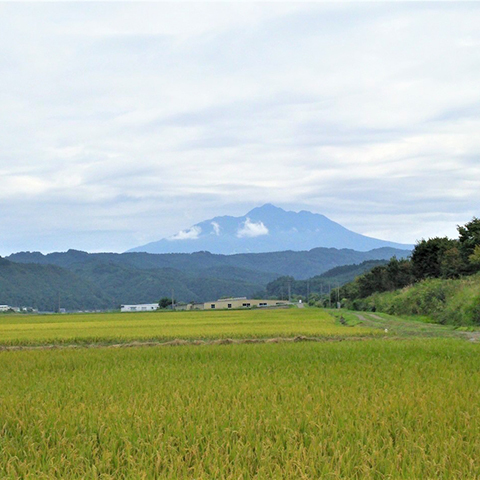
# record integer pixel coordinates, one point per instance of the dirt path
(409, 328)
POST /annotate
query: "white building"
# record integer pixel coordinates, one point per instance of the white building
(144, 307)
(7, 308)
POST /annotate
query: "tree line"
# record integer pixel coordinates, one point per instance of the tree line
(438, 257)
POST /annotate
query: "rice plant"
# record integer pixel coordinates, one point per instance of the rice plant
(362, 410)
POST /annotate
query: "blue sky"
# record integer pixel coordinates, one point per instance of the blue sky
(122, 123)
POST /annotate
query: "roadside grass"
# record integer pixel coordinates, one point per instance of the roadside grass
(403, 325)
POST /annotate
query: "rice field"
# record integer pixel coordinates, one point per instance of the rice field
(381, 408)
(165, 326)
(365, 410)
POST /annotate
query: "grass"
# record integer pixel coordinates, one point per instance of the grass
(364, 410)
(160, 326)
(452, 301)
(404, 326)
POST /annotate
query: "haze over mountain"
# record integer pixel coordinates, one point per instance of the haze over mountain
(265, 229)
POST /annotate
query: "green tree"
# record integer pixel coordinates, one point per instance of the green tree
(469, 238)
(474, 258)
(451, 264)
(165, 302)
(427, 256)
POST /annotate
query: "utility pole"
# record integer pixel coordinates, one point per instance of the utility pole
(289, 291)
(58, 302)
(329, 295)
(308, 290)
(173, 299)
(338, 295)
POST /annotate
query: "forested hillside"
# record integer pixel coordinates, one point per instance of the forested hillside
(43, 286)
(106, 280)
(260, 267)
(316, 286)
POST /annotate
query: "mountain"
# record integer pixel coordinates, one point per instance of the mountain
(265, 229)
(44, 286)
(320, 283)
(257, 268)
(106, 280)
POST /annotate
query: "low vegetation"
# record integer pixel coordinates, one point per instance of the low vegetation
(370, 409)
(449, 302)
(108, 328)
(365, 410)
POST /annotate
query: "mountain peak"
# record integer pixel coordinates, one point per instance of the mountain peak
(266, 209)
(265, 229)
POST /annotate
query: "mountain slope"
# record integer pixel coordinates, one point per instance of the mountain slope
(106, 280)
(44, 286)
(261, 267)
(265, 229)
(320, 284)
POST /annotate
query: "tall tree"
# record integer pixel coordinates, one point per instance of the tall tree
(469, 238)
(427, 256)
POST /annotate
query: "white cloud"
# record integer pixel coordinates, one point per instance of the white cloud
(252, 229)
(190, 234)
(145, 118)
(216, 228)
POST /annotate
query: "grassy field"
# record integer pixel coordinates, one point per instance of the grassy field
(165, 326)
(374, 409)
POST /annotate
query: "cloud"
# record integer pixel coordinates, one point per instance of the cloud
(216, 228)
(143, 119)
(190, 234)
(252, 229)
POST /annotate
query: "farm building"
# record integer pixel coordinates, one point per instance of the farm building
(144, 307)
(8, 308)
(189, 306)
(242, 302)
(221, 304)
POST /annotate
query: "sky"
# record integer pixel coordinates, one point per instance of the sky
(123, 123)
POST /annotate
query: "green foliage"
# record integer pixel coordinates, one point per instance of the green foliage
(469, 238)
(319, 285)
(474, 258)
(435, 258)
(428, 257)
(451, 263)
(44, 287)
(165, 302)
(245, 270)
(446, 301)
(395, 274)
(279, 288)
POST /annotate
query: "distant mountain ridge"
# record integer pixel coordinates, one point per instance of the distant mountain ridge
(105, 280)
(265, 229)
(300, 265)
